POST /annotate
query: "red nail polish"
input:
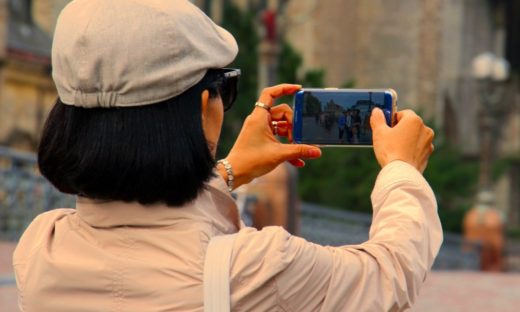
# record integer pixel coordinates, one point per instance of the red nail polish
(314, 153)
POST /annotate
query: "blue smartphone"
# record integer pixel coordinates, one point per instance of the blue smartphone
(339, 117)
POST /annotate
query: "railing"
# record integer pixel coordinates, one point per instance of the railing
(332, 227)
(24, 193)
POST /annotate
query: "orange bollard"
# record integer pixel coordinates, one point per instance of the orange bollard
(483, 224)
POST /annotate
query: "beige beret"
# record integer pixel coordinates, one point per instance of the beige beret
(109, 53)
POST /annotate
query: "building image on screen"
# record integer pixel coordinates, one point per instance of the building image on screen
(339, 118)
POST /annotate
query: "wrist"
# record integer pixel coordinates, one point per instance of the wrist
(239, 178)
(225, 169)
(221, 172)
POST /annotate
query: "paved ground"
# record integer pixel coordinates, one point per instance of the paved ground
(7, 283)
(444, 291)
(469, 291)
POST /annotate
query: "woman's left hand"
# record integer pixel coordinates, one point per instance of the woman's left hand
(257, 151)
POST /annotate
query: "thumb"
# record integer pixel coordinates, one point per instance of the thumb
(295, 151)
(377, 119)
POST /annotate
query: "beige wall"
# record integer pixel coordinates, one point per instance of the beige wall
(373, 42)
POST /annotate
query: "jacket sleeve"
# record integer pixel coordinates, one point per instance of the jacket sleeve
(383, 274)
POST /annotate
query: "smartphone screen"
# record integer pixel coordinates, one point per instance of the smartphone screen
(340, 116)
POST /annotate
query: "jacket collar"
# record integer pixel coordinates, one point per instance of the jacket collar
(213, 205)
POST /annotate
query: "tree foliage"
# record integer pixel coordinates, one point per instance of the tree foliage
(454, 182)
(241, 25)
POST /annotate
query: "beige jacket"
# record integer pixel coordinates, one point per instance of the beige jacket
(116, 256)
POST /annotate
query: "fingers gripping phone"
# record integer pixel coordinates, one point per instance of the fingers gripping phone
(339, 117)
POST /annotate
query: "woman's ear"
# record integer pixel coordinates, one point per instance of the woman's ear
(204, 104)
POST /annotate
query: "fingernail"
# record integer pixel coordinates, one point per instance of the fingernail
(314, 153)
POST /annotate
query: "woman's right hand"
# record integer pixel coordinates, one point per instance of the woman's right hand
(257, 151)
(410, 140)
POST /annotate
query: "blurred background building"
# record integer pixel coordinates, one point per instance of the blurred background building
(26, 88)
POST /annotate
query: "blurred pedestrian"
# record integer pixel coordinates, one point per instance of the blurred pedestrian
(348, 126)
(342, 123)
(356, 126)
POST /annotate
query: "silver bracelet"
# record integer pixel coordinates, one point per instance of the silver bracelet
(229, 171)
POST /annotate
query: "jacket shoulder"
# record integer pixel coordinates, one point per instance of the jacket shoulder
(263, 253)
(259, 265)
(41, 229)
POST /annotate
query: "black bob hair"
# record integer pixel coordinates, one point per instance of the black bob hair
(150, 154)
